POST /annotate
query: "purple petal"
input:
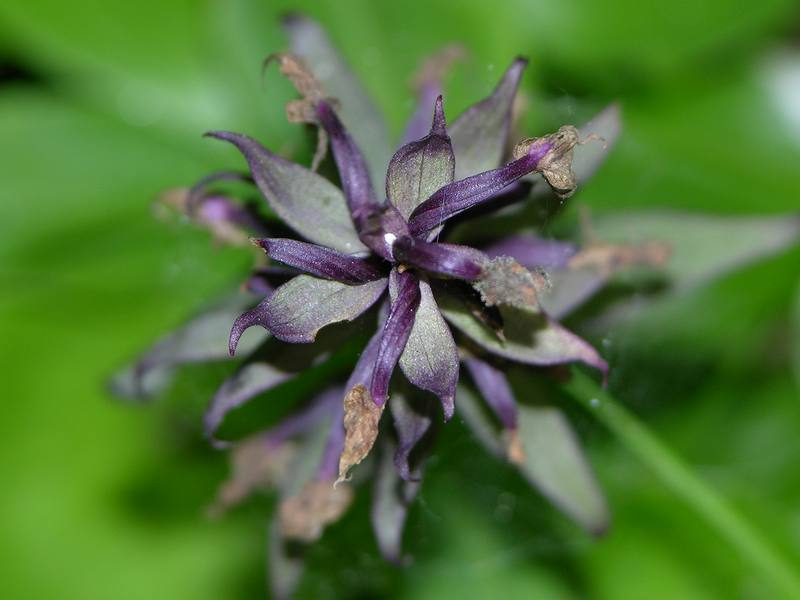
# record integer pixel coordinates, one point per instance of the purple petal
(391, 500)
(351, 165)
(449, 260)
(358, 112)
(323, 405)
(570, 288)
(472, 191)
(307, 202)
(430, 358)
(199, 340)
(480, 134)
(532, 252)
(320, 261)
(530, 338)
(304, 305)
(412, 420)
(395, 333)
(421, 167)
(493, 386)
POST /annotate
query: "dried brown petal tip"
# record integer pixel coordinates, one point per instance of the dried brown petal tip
(254, 466)
(609, 258)
(556, 164)
(304, 516)
(507, 282)
(311, 92)
(361, 418)
(515, 451)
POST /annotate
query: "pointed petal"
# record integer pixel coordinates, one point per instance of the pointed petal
(606, 125)
(531, 251)
(413, 417)
(448, 260)
(421, 167)
(199, 340)
(320, 261)
(360, 115)
(350, 162)
(530, 338)
(391, 500)
(430, 358)
(472, 191)
(480, 134)
(307, 202)
(285, 563)
(396, 332)
(304, 305)
(556, 465)
(570, 288)
(493, 386)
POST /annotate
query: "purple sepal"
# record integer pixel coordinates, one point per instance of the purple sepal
(320, 261)
(532, 252)
(449, 260)
(421, 167)
(395, 333)
(493, 386)
(466, 193)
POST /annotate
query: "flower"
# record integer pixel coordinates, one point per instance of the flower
(369, 257)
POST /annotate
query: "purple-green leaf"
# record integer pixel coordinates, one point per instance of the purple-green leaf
(421, 167)
(430, 358)
(305, 304)
(480, 134)
(307, 202)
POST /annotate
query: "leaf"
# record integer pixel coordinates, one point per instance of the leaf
(360, 115)
(391, 500)
(201, 339)
(530, 338)
(307, 202)
(421, 167)
(555, 464)
(430, 358)
(303, 305)
(703, 246)
(480, 134)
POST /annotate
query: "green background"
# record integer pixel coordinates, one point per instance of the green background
(102, 104)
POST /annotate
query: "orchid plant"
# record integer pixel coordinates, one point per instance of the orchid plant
(360, 256)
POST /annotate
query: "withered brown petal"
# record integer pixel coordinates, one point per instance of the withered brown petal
(304, 516)
(506, 282)
(361, 418)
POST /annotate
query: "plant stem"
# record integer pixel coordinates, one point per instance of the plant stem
(684, 483)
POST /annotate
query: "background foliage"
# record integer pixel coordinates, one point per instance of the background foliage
(101, 107)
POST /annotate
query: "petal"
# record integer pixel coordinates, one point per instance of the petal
(530, 338)
(449, 260)
(307, 202)
(320, 261)
(532, 252)
(570, 288)
(472, 191)
(493, 386)
(285, 564)
(413, 417)
(360, 115)
(396, 332)
(480, 134)
(199, 340)
(421, 167)
(391, 500)
(430, 358)
(302, 306)
(606, 125)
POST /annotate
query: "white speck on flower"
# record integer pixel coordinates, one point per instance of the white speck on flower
(389, 238)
